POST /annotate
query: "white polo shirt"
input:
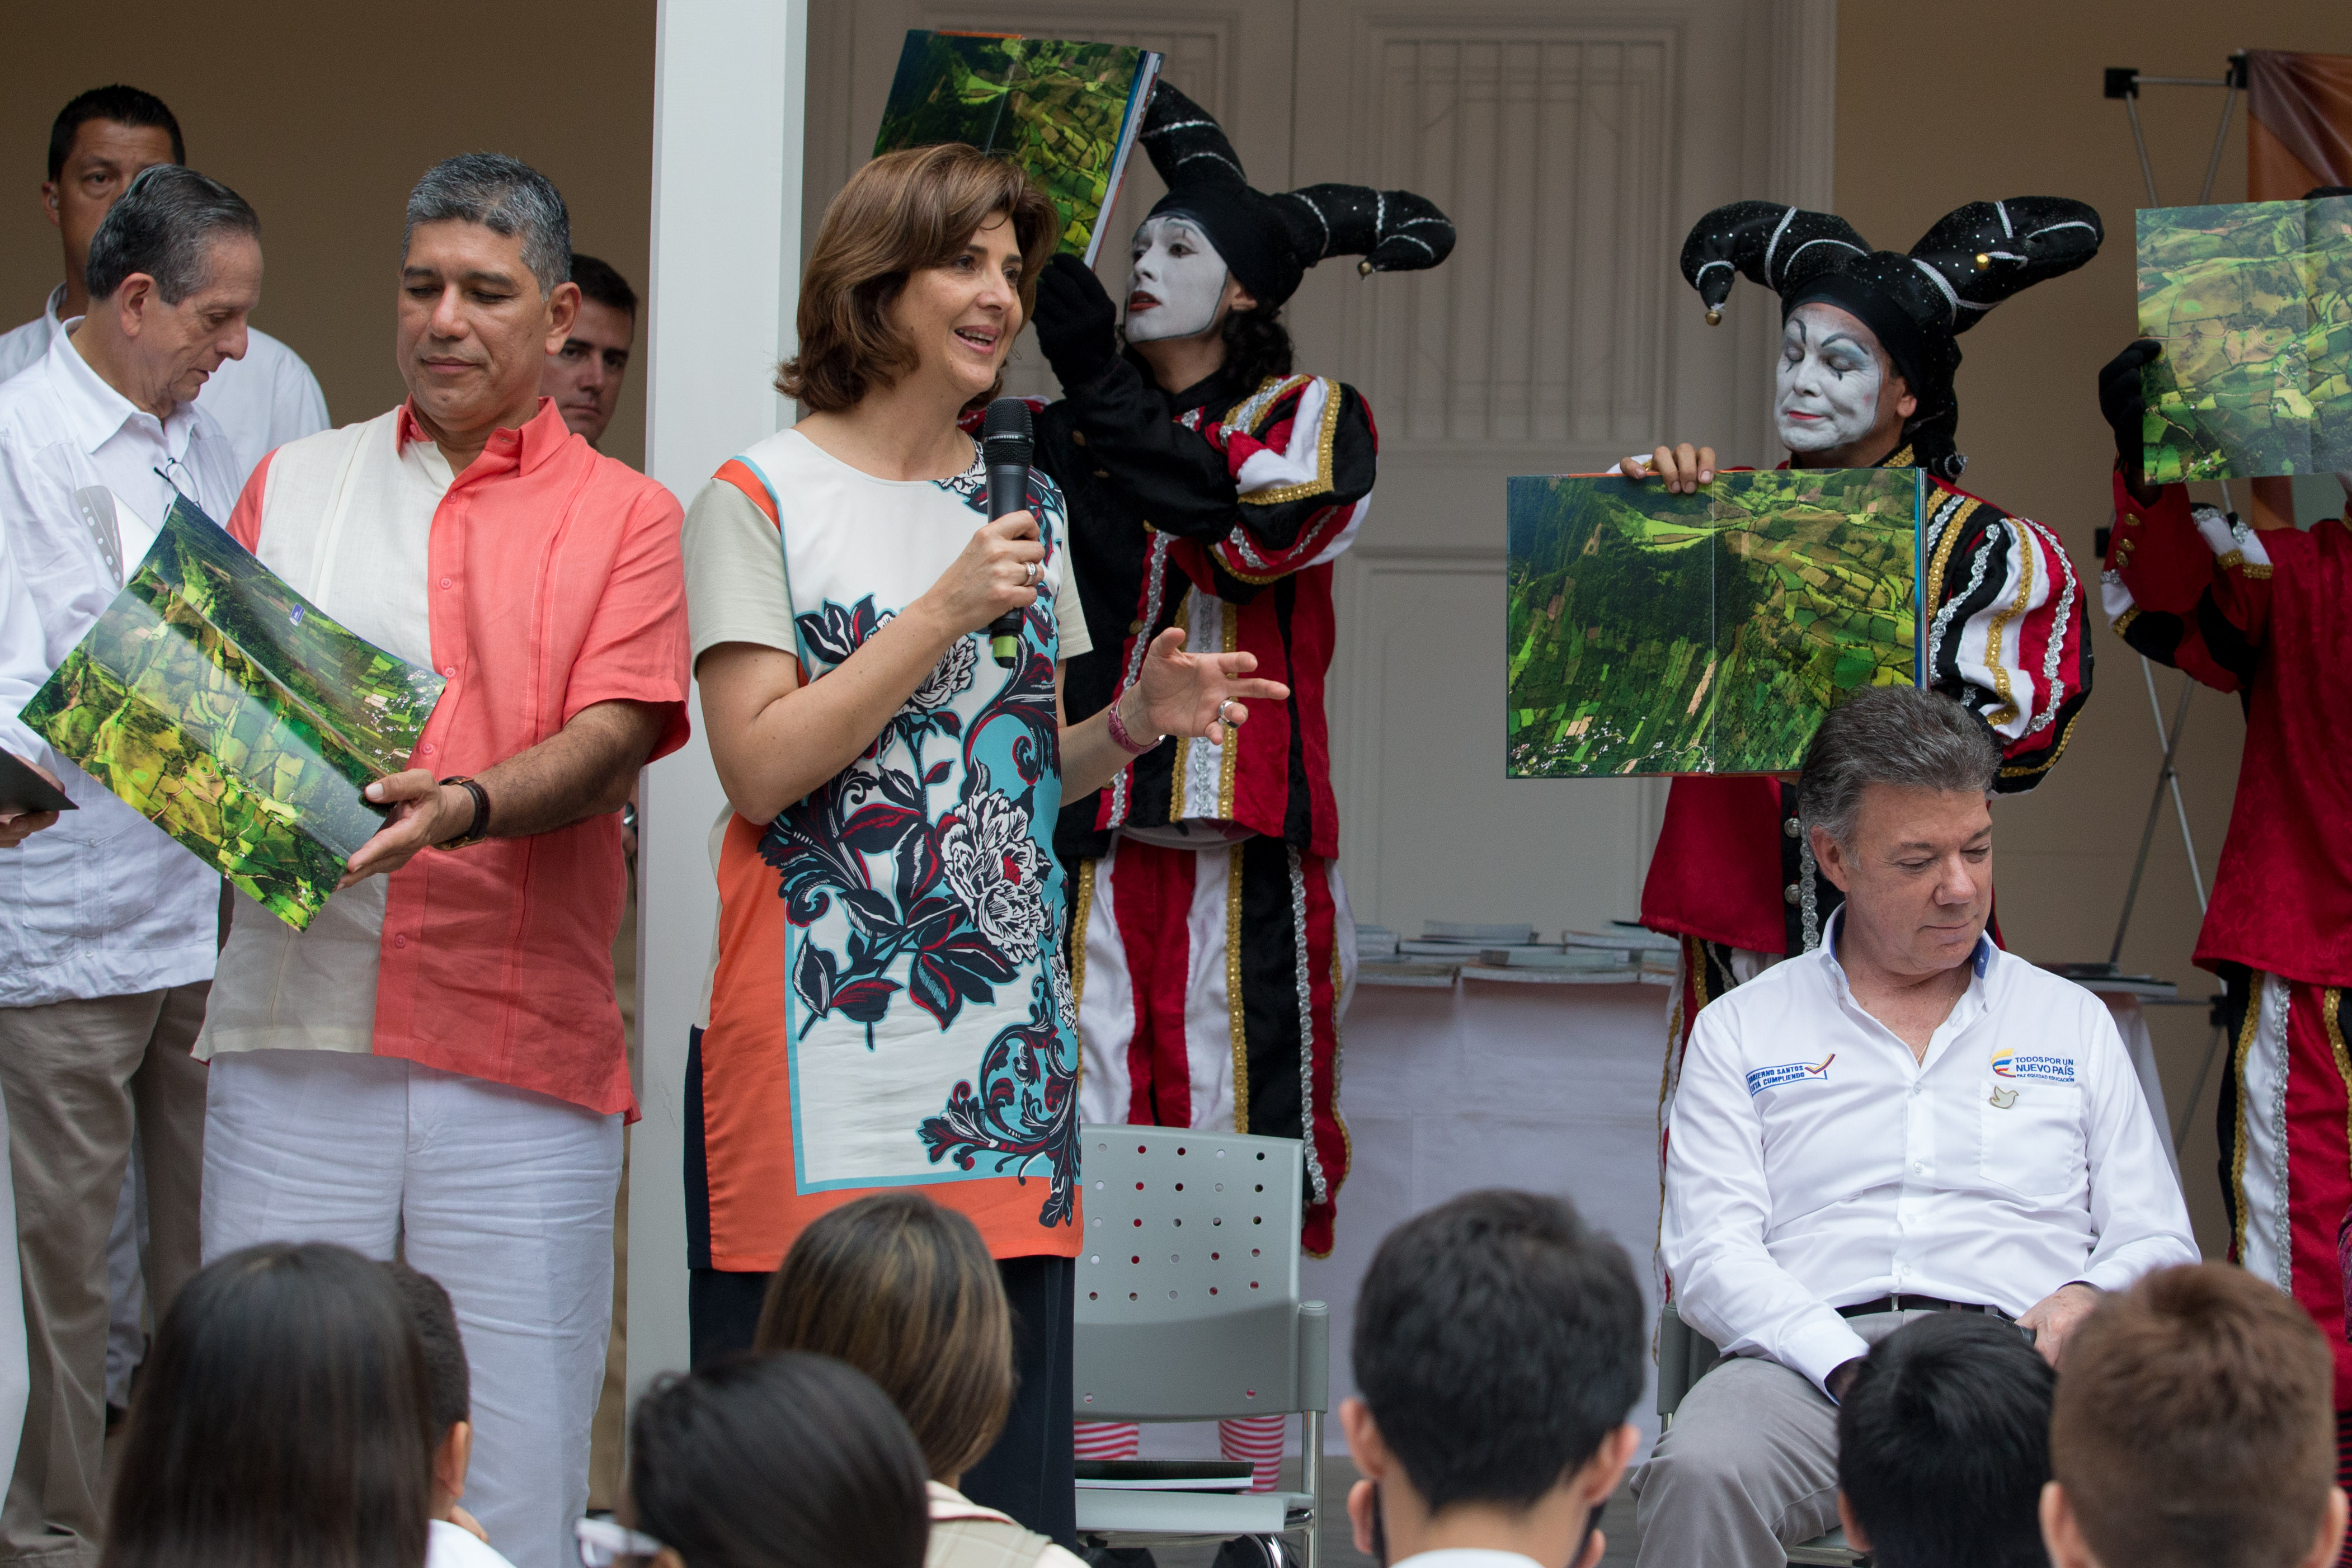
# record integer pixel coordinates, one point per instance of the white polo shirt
(104, 903)
(1813, 1163)
(264, 400)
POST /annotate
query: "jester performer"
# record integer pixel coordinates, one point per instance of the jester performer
(2265, 613)
(1210, 488)
(1869, 343)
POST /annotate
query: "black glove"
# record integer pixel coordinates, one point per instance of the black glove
(1076, 323)
(2122, 403)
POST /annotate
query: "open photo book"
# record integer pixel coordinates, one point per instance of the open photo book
(226, 710)
(2253, 303)
(1066, 113)
(1702, 633)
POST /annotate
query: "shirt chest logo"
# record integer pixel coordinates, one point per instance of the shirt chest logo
(1765, 1078)
(2008, 1062)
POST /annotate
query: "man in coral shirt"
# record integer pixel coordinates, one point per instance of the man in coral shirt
(438, 1062)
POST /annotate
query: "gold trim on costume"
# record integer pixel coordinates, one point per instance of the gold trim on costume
(1323, 481)
(1934, 586)
(2231, 560)
(2057, 751)
(2257, 570)
(1229, 615)
(1234, 1011)
(2238, 1144)
(1082, 913)
(2331, 1001)
(1901, 458)
(2123, 622)
(2000, 619)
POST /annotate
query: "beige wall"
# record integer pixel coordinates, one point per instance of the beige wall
(322, 117)
(2005, 101)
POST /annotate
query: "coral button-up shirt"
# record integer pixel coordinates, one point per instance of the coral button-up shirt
(552, 582)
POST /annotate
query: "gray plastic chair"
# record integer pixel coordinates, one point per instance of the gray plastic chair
(1686, 1355)
(1188, 1310)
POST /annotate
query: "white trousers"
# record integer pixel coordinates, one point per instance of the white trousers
(503, 1195)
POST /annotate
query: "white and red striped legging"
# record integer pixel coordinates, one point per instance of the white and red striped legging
(1256, 1439)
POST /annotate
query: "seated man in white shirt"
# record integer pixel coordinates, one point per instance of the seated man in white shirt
(99, 143)
(1498, 1347)
(108, 929)
(1905, 1119)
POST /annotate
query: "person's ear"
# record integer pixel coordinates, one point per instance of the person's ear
(563, 312)
(1855, 1536)
(1830, 856)
(665, 1558)
(1596, 1479)
(1905, 403)
(49, 205)
(2060, 1534)
(1363, 1498)
(453, 1458)
(2331, 1531)
(131, 300)
(1237, 297)
(1365, 1445)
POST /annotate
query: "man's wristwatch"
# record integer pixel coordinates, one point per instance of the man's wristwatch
(479, 828)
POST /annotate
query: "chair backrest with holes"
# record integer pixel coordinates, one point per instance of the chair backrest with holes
(1188, 1285)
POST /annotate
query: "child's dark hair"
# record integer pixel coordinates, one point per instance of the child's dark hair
(1944, 1443)
(1498, 1343)
(445, 1349)
(791, 1460)
(281, 1423)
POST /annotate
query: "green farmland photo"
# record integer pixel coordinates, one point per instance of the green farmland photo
(1702, 633)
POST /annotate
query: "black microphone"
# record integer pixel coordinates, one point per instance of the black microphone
(1006, 440)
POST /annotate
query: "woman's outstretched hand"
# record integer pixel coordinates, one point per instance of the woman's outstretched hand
(1180, 692)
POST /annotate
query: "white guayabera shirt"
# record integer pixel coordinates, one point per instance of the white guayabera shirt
(103, 904)
(1813, 1163)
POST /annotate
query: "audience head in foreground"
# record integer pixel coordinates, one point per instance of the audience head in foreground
(1498, 1345)
(905, 1292)
(782, 1461)
(1893, 795)
(584, 375)
(449, 1385)
(1944, 1444)
(2195, 1428)
(284, 1421)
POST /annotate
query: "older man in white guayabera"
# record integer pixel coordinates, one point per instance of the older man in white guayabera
(108, 929)
(1906, 1118)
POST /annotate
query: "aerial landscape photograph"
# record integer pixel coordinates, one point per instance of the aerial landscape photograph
(1704, 633)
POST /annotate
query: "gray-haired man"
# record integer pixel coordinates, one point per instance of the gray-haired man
(1905, 1119)
(108, 929)
(437, 1061)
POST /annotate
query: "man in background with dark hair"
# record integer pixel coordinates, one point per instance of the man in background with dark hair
(99, 140)
(584, 375)
(108, 929)
(1943, 1445)
(1905, 1119)
(2195, 1428)
(1498, 1347)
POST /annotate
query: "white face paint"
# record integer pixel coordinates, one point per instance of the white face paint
(1177, 279)
(1827, 380)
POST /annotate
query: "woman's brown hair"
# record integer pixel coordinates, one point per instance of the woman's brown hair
(905, 1292)
(902, 211)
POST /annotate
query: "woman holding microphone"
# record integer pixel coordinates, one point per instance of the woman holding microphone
(889, 1004)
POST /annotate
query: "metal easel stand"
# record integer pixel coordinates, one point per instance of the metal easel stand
(2125, 82)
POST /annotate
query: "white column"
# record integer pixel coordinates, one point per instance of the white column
(729, 90)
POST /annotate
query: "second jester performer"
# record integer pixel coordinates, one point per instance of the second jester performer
(1869, 346)
(1210, 488)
